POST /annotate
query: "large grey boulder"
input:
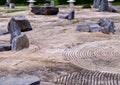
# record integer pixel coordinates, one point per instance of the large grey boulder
(68, 16)
(19, 42)
(108, 25)
(21, 22)
(45, 10)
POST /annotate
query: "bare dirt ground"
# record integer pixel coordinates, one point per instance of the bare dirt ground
(48, 39)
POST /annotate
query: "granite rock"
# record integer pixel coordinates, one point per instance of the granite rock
(45, 10)
(21, 22)
(19, 42)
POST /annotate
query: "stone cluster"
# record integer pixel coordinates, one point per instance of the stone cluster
(104, 25)
(18, 41)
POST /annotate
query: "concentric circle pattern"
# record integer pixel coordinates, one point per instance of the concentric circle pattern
(102, 56)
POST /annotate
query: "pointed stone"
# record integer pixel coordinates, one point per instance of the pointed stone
(45, 10)
(13, 29)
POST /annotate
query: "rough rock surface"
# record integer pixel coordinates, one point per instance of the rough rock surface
(68, 16)
(45, 10)
(20, 42)
(21, 22)
(5, 47)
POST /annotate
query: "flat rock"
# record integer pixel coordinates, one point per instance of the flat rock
(45, 10)
(94, 27)
(20, 42)
(2, 32)
(82, 27)
(5, 47)
(68, 16)
(20, 80)
(63, 16)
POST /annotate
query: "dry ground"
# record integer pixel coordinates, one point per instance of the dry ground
(48, 39)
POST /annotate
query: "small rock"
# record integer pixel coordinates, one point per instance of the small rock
(2, 32)
(63, 16)
(94, 27)
(82, 27)
(23, 79)
(113, 9)
(5, 47)
(68, 16)
(19, 42)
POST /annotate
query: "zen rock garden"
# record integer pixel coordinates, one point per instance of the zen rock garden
(60, 44)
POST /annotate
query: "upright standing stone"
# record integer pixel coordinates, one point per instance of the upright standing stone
(104, 5)
(96, 3)
(20, 42)
(13, 29)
